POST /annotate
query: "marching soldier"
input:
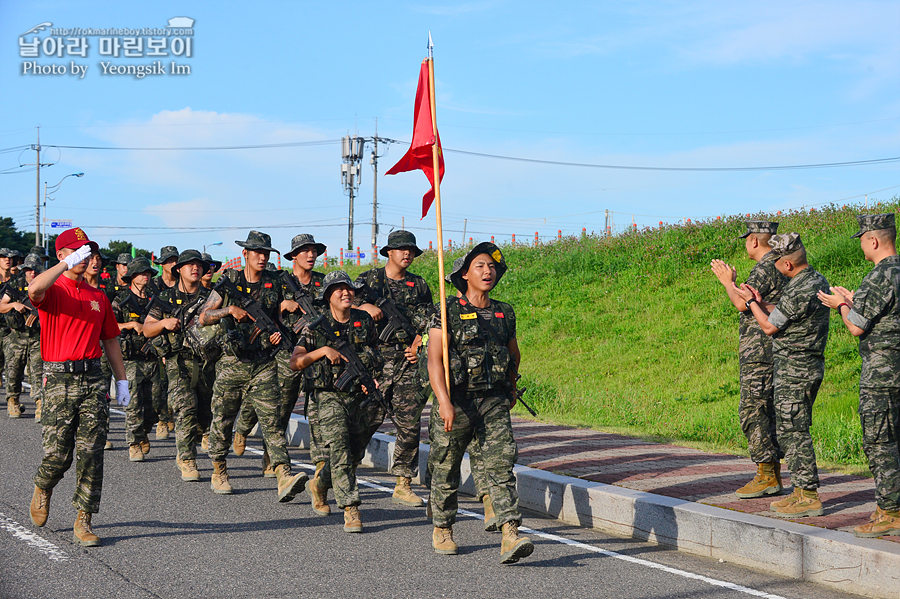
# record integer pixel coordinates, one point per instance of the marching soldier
(798, 325)
(168, 256)
(5, 276)
(872, 313)
(23, 342)
(75, 320)
(303, 254)
(141, 359)
(247, 371)
(117, 284)
(214, 266)
(757, 410)
(190, 388)
(167, 279)
(411, 295)
(481, 336)
(342, 419)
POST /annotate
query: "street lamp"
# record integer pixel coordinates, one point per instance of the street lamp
(211, 245)
(47, 189)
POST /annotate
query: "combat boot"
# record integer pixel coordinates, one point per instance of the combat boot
(882, 523)
(204, 442)
(352, 519)
(170, 424)
(13, 408)
(135, 454)
(513, 547)
(37, 409)
(145, 446)
(40, 506)
(218, 482)
(777, 505)
(83, 534)
(189, 472)
(240, 444)
(162, 431)
(108, 445)
(490, 518)
(764, 483)
(442, 541)
(317, 494)
(807, 503)
(289, 486)
(268, 469)
(403, 493)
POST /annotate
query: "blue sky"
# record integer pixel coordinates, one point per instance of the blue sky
(662, 84)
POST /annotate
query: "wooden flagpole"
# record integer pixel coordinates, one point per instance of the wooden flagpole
(445, 347)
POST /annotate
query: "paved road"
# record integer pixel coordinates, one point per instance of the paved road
(166, 538)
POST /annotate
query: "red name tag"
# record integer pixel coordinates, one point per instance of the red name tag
(462, 302)
(318, 284)
(267, 285)
(357, 324)
(499, 315)
(410, 284)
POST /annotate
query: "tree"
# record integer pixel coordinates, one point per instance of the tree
(114, 248)
(12, 238)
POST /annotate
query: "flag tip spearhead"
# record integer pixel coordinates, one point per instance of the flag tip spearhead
(430, 43)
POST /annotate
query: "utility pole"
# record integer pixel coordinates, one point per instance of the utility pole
(375, 194)
(37, 209)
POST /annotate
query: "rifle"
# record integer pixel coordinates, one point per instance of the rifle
(131, 303)
(396, 320)
(354, 369)
(520, 393)
(13, 292)
(262, 321)
(302, 298)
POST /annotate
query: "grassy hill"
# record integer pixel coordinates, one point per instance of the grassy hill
(634, 334)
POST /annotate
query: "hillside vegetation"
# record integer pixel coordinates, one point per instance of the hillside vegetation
(634, 334)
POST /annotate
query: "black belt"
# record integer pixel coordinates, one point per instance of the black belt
(73, 366)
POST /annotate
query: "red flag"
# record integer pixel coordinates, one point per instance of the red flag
(419, 154)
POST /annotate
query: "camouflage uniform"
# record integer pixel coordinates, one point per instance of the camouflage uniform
(75, 417)
(162, 401)
(22, 345)
(342, 419)
(248, 372)
(480, 392)
(799, 349)
(400, 382)
(876, 310)
(290, 381)
(190, 378)
(757, 410)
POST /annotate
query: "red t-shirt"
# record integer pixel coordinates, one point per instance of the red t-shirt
(75, 317)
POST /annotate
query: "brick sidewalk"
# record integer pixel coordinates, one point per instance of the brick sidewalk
(674, 471)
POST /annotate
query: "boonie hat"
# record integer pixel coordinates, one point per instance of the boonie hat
(32, 262)
(258, 241)
(191, 256)
(485, 247)
(167, 252)
(137, 266)
(4, 252)
(457, 266)
(302, 240)
(400, 239)
(874, 222)
(39, 251)
(760, 226)
(214, 264)
(785, 245)
(336, 277)
(74, 239)
(123, 258)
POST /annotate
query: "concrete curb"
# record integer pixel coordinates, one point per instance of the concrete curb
(836, 559)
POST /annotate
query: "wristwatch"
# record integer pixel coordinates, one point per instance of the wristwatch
(748, 302)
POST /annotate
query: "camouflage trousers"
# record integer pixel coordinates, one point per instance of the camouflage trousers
(343, 429)
(476, 464)
(21, 348)
(400, 386)
(189, 389)
(143, 385)
(485, 421)
(879, 414)
(290, 385)
(75, 418)
(756, 413)
(161, 400)
(257, 384)
(794, 399)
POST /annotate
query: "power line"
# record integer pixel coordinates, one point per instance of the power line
(207, 148)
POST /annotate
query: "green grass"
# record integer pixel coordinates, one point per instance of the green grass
(634, 334)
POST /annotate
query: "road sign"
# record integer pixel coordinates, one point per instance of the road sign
(60, 224)
(352, 255)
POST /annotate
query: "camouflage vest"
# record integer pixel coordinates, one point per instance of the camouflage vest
(290, 319)
(14, 319)
(414, 301)
(239, 339)
(481, 345)
(182, 306)
(322, 374)
(130, 342)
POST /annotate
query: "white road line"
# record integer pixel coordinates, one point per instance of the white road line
(53, 552)
(572, 543)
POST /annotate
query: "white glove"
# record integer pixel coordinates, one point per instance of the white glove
(79, 255)
(123, 397)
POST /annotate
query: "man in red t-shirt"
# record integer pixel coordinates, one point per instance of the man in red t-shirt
(75, 319)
